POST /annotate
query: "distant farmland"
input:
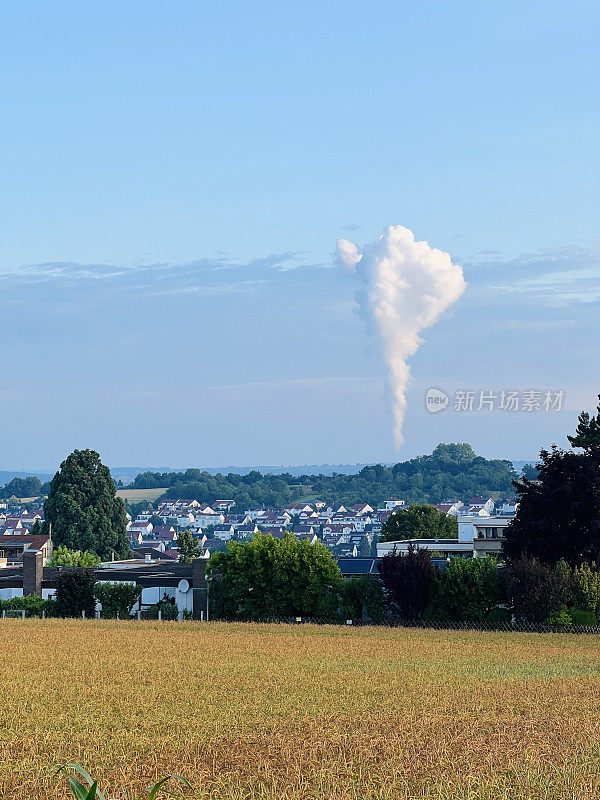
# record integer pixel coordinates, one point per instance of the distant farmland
(282, 712)
(137, 495)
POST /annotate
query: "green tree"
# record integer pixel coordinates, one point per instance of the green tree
(418, 522)
(452, 470)
(117, 599)
(467, 589)
(587, 433)
(559, 514)
(537, 590)
(361, 598)
(23, 487)
(586, 588)
(83, 509)
(530, 472)
(75, 592)
(36, 528)
(269, 577)
(64, 557)
(188, 548)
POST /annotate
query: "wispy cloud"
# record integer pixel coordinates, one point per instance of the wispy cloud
(556, 277)
(52, 270)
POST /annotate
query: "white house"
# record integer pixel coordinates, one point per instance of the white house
(393, 503)
(485, 534)
(478, 503)
(362, 509)
(509, 506)
(145, 528)
(223, 532)
(185, 520)
(223, 505)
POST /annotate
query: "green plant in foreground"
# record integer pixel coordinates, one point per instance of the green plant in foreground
(91, 791)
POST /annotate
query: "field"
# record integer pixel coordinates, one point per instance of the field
(137, 495)
(299, 712)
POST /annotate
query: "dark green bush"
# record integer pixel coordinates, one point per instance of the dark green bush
(466, 590)
(167, 606)
(582, 616)
(75, 592)
(361, 598)
(537, 591)
(117, 599)
(498, 616)
(33, 606)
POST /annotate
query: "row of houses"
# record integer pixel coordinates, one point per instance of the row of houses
(348, 531)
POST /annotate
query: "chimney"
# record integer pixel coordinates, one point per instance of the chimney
(33, 572)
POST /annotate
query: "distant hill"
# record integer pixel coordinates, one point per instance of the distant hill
(452, 471)
(7, 475)
(128, 474)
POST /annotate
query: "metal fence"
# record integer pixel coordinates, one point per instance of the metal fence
(500, 627)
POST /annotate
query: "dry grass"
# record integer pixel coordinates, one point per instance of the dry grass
(137, 495)
(296, 713)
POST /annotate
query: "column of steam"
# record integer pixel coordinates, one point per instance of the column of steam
(405, 287)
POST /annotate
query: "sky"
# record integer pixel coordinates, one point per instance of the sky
(175, 177)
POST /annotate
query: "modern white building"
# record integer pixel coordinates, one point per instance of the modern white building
(478, 537)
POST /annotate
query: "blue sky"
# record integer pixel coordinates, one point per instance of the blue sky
(175, 176)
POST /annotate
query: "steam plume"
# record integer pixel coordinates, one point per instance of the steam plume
(406, 286)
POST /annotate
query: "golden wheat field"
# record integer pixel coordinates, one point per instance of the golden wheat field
(299, 712)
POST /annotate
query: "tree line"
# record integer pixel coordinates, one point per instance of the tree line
(31, 486)
(551, 550)
(451, 471)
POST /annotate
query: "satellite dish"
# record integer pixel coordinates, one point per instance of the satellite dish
(183, 586)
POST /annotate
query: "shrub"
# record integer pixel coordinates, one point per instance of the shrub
(583, 617)
(270, 577)
(586, 588)
(362, 598)
(561, 618)
(65, 557)
(33, 605)
(537, 591)
(75, 592)
(498, 616)
(117, 598)
(467, 590)
(167, 606)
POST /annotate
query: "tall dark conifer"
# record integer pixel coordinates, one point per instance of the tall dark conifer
(587, 433)
(83, 508)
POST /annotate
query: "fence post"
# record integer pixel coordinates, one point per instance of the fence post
(3, 614)
(83, 614)
(160, 614)
(23, 614)
(139, 616)
(117, 615)
(44, 614)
